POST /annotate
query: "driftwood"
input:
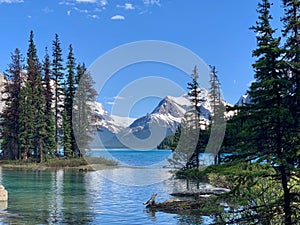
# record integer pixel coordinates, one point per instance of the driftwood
(202, 198)
(151, 201)
(183, 207)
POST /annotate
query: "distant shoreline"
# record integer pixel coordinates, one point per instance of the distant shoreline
(79, 164)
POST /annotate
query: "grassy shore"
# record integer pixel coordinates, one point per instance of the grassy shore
(82, 164)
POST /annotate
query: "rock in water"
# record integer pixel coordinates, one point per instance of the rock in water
(3, 194)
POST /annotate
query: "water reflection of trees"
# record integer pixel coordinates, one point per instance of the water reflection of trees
(75, 205)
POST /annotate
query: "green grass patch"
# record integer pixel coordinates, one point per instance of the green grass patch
(79, 163)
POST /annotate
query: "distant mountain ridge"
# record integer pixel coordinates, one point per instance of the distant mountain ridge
(167, 116)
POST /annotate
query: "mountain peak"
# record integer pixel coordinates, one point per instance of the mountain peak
(173, 106)
(166, 116)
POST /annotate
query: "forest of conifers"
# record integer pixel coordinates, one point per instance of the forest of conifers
(42, 99)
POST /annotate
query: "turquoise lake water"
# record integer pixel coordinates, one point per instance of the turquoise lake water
(112, 196)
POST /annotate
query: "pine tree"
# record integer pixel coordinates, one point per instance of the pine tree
(36, 100)
(58, 78)
(83, 118)
(69, 90)
(26, 132)
(217, 117)
(40, 119)
(10, 115)
(194, 93)
(215, 92)
(267, 121)
(291, 21)
(49, 116)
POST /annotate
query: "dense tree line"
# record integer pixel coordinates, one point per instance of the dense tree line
(37, 120)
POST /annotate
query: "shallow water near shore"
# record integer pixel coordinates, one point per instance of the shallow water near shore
(73, 197)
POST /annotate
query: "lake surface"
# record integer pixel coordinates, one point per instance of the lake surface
(112, 196)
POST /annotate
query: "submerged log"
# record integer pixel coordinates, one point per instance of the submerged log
(151, 201)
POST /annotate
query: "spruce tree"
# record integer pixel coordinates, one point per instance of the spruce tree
(83, 117)
(49, 115)
(194, 91)
(36, 99)
(214, 92)
(26, 133)
(58, 79)
(291, 21)
(217, 120)
(267, 123)
(194, 94)
(10, 115)
(69, 89)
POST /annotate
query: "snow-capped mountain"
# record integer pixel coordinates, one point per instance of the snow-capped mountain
(169, 114)
(111, 122)
(165, 117)
(110, 125)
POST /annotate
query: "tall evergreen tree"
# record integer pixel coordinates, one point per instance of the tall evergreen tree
(215, 92)
(291, 21)
(83, 117)
(267, 125)
(69, 89)
(49, 115)
(26, 132)
(194, 94)
(217, 117)
(35, 97)
(58, 78)
(194, 91)
(10, 115)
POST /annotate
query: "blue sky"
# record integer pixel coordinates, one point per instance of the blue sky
(217, 31)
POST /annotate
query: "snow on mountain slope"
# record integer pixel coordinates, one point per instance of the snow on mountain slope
(122, 121)
(244, 99)
(168, 115)
(112, 123)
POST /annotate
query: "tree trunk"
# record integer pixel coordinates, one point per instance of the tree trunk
(287, 199)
